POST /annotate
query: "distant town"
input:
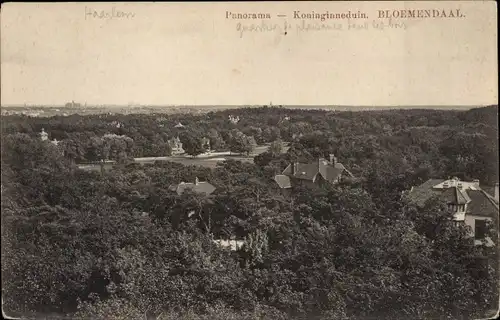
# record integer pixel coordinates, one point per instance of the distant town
(84, 108)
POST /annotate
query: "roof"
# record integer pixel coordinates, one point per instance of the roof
(309, 171)
(454, 195)
(305, 171)
(424, 192)
(283, 181)
(333, 173)
(478, 201)
(339, 166)
(492, 198)
(200, 187)
(490, 191)
(481, 204)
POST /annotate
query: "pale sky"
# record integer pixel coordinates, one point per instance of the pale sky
(189, 53)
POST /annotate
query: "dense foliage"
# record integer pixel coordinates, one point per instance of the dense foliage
(121, 245)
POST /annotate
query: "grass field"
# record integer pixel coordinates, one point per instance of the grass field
(205, 160)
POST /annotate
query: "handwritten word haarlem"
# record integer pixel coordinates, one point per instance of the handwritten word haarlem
(109, 14)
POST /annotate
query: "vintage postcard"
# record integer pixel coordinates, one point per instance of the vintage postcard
(250, 160)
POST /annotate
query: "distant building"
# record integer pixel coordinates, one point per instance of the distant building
(32, 113)
(176, 145)
(72, 104)
(205, 143)
(233, 245)
(234, 120)
(55, 142)
(44, 135)
(197, 186)
(117, 124)
(312, 174)
(179, 125)
(470, 203)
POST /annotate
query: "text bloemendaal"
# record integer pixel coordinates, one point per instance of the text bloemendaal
(420, 13)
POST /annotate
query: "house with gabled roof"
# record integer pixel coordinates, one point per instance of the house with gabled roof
(312, 174)
(198, 187)
(470, 203)
(176, 145)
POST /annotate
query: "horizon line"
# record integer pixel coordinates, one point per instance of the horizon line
(244, 105)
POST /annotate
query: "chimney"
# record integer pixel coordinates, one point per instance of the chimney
(333, 159)
(496, 192)
(196, 181)
(475, 182)
(294, 168)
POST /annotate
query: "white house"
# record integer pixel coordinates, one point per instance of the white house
(233, 245)
(234, 120)
(44, 135)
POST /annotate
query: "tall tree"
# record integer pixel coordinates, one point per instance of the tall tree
(192, 144)
(241, 143)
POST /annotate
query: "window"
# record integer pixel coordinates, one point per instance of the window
(479, 229)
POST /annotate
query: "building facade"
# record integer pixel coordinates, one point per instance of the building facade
(176, 145)
(314, 174)
(470, 203)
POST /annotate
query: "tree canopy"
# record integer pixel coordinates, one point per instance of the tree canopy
(123, 245)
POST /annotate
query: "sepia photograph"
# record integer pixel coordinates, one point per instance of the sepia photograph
(248, 160)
